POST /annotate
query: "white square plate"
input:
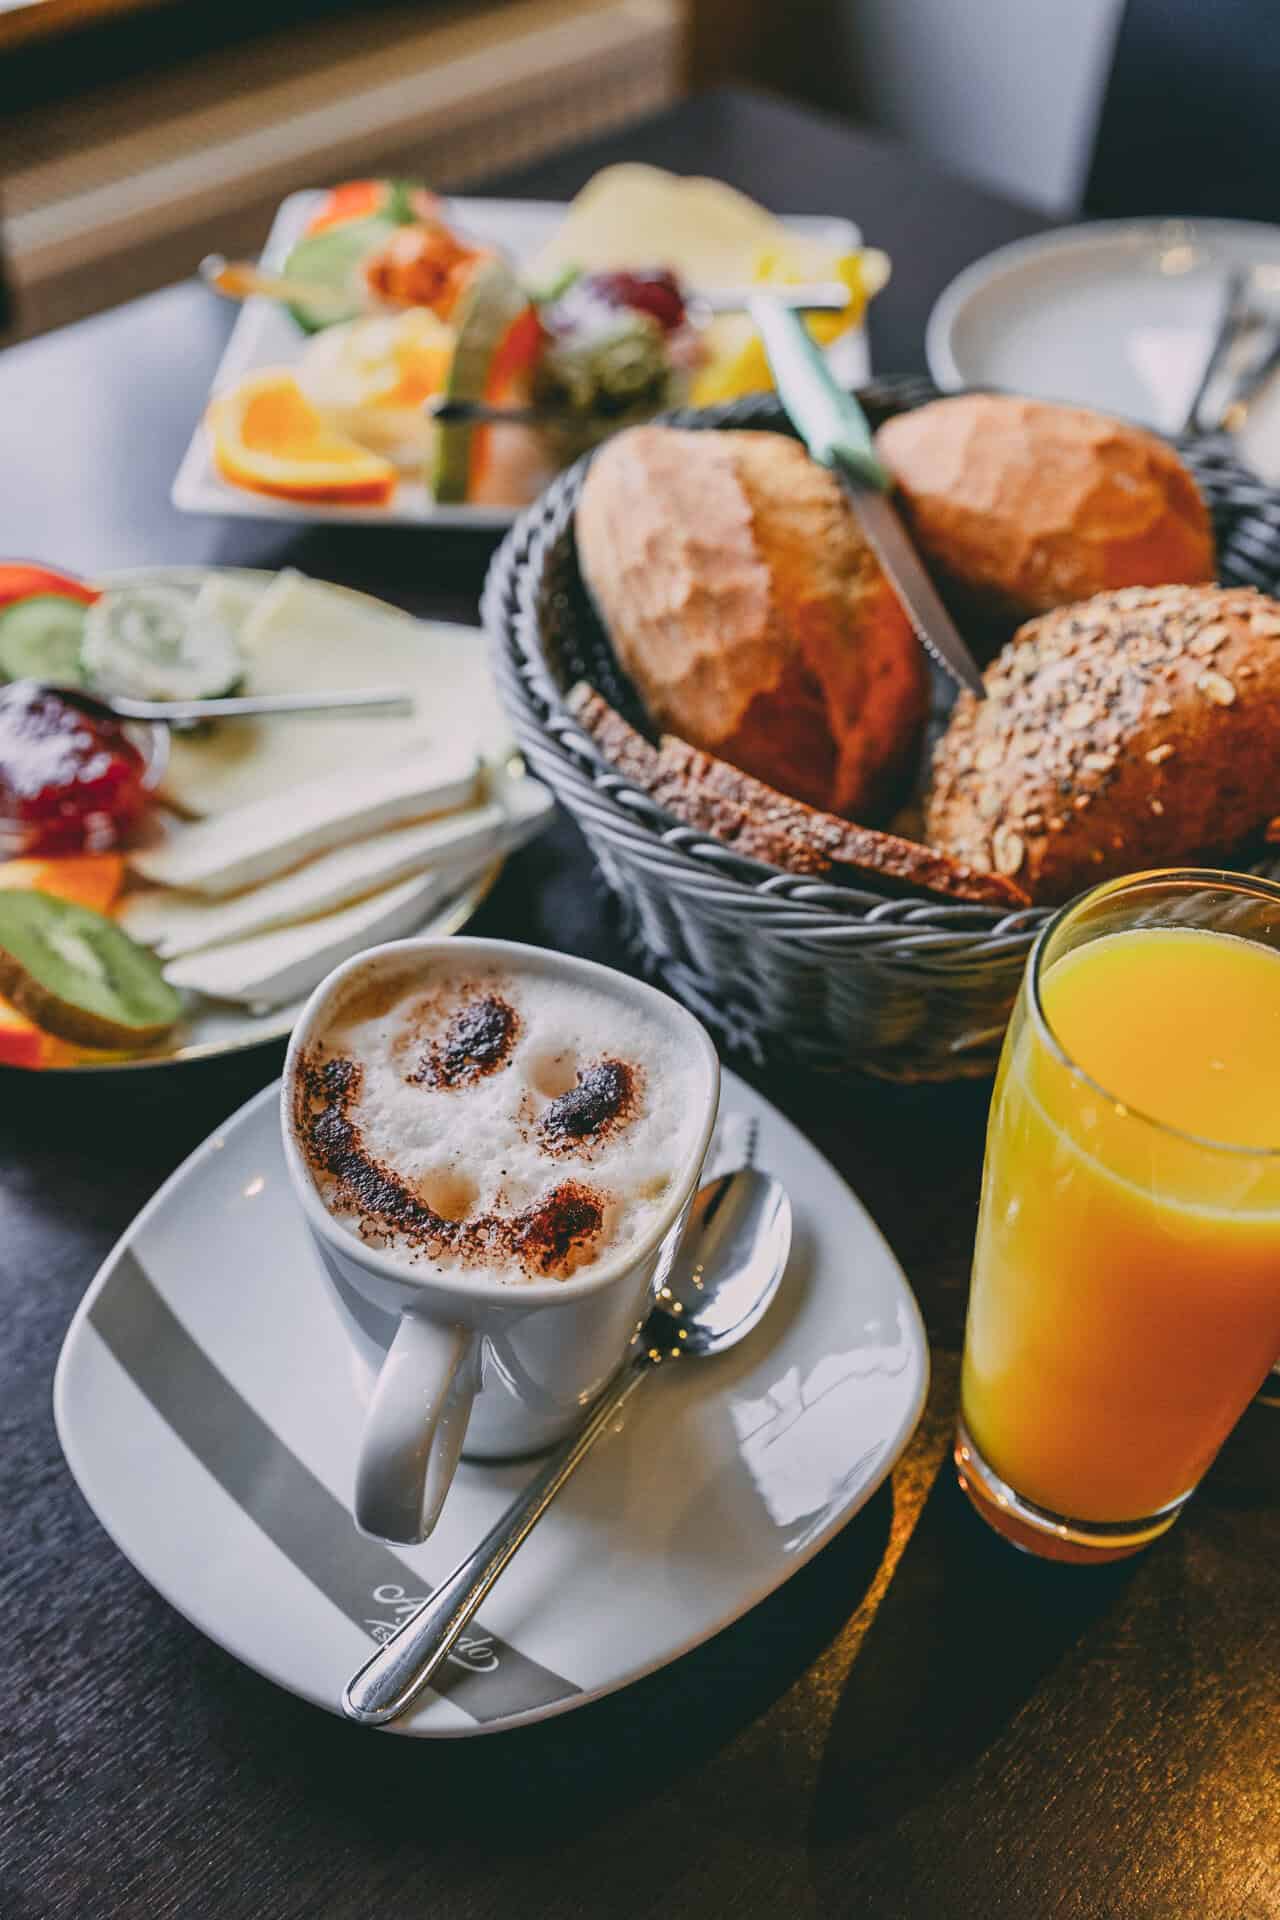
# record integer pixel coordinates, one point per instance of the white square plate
(265, 335)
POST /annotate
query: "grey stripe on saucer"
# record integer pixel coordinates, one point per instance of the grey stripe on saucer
(486, 1678)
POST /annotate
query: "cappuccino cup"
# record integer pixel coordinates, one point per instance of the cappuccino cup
(495, 1149)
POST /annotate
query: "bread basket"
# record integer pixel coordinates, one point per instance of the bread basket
(784, 969)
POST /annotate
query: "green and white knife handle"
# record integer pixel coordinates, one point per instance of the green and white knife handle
(829, 420)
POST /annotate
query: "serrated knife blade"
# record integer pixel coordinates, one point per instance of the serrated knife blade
(835, 430)
(935, 629)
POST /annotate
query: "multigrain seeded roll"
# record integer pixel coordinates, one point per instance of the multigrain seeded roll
(1138, 729)
(1020, 506)
(750, 613)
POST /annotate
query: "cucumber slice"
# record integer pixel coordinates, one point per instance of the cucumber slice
(158, 642)
(490, 306)
(79, 976)
(40, 639)
(331, 258)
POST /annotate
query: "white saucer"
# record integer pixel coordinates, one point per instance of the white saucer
(1117, 314)
(207, 1402)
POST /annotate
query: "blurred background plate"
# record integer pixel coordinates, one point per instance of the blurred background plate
(1117, 314)
(265, 336)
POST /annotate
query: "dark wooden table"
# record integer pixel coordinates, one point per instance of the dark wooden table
(921, 1724)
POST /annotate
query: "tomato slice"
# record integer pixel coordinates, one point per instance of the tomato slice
(21, 578)
(21, 1043)
(516, 353)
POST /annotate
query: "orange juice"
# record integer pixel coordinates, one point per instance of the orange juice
(1126, 1290)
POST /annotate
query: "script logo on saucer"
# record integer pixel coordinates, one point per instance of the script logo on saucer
(474, 1651)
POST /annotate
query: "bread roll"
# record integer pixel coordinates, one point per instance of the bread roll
(1019, 506)
(1139, 729)
(750, 614)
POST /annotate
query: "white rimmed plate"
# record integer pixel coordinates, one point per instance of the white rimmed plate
(1115, 314)
(265, 335)
(208, 1403)
(211, 1028)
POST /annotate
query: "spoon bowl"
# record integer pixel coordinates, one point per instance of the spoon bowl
(728, 1269)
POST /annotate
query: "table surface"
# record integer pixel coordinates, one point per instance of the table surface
(922, 1723)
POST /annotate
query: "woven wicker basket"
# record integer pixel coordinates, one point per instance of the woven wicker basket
(784, 968)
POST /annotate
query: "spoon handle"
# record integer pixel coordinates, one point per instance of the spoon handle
(242, 705)
(406, 1663)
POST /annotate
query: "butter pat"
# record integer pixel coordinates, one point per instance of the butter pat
(269, 837)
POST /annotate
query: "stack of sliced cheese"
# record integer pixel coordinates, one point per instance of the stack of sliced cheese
(284, 877)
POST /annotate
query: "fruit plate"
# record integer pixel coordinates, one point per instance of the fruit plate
(209, 1028)
(265, 336)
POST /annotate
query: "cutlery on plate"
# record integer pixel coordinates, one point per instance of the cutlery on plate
(465, 413)
(835, 430)
(722, 1281)
(241, 279)
(1252, 381)
(385, 700)
(1233, 317)
(814, 296)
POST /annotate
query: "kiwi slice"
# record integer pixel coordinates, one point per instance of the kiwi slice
(78, 975)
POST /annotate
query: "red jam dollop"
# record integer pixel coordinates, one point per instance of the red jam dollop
(69, 781)
(589, 299)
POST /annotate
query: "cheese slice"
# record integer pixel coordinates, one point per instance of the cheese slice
(633, 215)
(175, 921)
(273, 968)
(300, 635)
(269, 837)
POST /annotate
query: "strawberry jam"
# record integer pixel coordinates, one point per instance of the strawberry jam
(70, 781)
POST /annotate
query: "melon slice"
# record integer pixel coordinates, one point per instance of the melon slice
(494, 308)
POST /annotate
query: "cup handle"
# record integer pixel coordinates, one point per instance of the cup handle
(414, 1429)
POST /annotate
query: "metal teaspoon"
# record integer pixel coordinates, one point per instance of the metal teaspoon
(237, 706)
(722, 1281)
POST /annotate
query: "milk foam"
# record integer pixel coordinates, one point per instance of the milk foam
(488, 1147)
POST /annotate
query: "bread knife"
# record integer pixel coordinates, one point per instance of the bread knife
(834, 428)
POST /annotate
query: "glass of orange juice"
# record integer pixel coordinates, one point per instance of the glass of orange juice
(1125, 1303)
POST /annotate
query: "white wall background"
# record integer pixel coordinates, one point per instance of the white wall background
(1005, 91)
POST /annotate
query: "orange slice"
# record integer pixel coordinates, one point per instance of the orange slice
(267, 436)
(90, 879)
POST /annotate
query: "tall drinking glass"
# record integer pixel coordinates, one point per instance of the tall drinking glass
(1125, 1303)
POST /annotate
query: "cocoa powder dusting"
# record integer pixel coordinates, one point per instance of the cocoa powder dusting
(477, 1042)
(603, 1097)
(541, 1238)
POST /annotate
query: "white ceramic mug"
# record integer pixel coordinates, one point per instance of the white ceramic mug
(470, 1365)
